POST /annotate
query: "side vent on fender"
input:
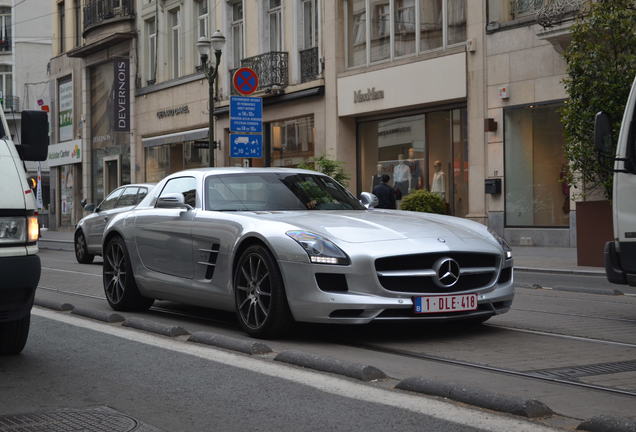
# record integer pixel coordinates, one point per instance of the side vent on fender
(211, 262)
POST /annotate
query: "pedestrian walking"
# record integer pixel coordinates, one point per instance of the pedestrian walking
(385, 193)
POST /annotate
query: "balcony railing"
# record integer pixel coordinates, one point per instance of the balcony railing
(272, 69)
(10, 104)
(98, 11)
(521, 8)
(309, 64)
(555, 11)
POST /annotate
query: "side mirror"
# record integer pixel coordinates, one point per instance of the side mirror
(34, 137)
(172, 201)
(603, 135)
(89, 207)
(368, 200)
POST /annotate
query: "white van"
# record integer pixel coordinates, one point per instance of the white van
(19, 231)
(620, 254)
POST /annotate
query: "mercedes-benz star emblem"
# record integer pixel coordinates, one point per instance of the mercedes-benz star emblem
(446, 272)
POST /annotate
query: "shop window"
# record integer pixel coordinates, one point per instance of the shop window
(535, 167)
(292, 141)
(424, 151)
(169, 158)
(394, 24)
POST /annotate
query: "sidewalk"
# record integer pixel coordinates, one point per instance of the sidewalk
(540, 259)
(551, 259)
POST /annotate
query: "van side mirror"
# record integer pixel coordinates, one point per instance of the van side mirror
(34, 137)
(603, 135)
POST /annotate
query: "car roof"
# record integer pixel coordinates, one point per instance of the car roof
(240, 170)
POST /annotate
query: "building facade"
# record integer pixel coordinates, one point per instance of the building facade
(92, 75)
(279, 39)
(456, 97)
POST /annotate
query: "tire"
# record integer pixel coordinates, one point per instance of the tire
(13, 335)
(81, 249)
(120, 287)
(259, 294)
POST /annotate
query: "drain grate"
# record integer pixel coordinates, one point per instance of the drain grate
(573, 372)
(100, 419)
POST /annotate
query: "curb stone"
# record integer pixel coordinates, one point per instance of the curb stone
(99, 315)
(358, 371)
(154, 327)
(608, 424)
(230, 343)
(52, 304)
(599, 273)
(530, 408)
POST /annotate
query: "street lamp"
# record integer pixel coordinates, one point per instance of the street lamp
(216, 42)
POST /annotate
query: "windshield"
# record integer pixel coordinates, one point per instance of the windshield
(276, 191)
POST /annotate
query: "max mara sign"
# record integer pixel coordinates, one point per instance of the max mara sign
(429, 81)
(122, 95)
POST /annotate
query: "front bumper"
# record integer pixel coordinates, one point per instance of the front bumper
(365, 300)
(20, 277)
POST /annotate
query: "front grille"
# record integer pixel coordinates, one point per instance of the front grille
(418, 284)
(480, 271)
(426, 261)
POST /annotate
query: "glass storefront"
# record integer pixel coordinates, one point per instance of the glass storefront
(169, 158)
(423, 151)
(535, 167)
(287, 143)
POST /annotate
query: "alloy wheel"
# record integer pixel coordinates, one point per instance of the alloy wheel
(115, 272)
(254, 291)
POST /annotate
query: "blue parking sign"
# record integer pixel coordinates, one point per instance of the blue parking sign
(246, 114)
(246, 146)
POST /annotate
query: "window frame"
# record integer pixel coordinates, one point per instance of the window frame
(199, 20)
(151, 48)
(276, 13)
(392, 51)
(237, 24)
(175, 67)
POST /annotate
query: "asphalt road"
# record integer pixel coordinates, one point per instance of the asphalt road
(559, 325)
(68, 366)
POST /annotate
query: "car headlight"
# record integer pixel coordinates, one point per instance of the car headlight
(504, 244)
(319, 249)
(13, 229)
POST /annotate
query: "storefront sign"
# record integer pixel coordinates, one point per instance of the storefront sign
(171, 112)
(433, 81)
(122, 95)
(370, 95)
(65, 153)
(65, 110)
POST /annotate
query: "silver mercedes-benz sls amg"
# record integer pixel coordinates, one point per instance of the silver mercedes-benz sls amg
(277, 245)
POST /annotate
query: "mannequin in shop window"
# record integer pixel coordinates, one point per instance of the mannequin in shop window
(376, 179)
(438, 185)
(416, 173)
(402, 177)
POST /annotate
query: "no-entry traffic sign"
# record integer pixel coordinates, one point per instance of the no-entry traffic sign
(245, 81)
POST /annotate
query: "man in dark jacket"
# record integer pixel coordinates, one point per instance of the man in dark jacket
(385, 194)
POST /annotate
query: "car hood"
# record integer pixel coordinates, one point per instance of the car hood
(378, 225)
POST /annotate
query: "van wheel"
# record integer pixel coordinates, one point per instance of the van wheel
(120, 287)
(81, 249)
(13, 335)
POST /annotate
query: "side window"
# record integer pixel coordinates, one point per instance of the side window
(111, 200)
(183, 185)
(141, 195)
(128, 197)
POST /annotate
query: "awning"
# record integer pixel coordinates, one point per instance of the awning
(174, 138)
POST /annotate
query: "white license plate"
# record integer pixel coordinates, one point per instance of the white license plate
(445, 303)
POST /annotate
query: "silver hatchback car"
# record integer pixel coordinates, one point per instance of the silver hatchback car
(89, 230)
